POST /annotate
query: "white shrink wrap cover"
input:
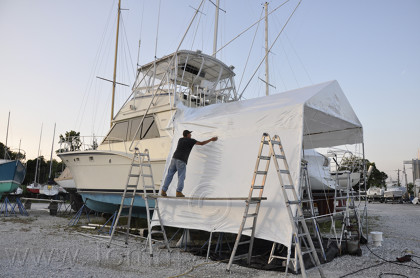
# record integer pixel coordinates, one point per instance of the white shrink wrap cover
(315, 116)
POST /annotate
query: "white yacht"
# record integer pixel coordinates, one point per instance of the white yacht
(145, 121)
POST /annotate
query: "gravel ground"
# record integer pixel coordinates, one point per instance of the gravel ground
(44, 246)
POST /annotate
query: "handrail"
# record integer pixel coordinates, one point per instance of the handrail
(79, 143)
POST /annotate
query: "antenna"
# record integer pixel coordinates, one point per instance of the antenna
(267, 86)
(115, 63)
(52, 149)
(7, 135)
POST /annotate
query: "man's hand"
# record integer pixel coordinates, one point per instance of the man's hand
(207, 141)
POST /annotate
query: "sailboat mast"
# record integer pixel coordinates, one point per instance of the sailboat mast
(7, 135)
(37, 159)
(267, 86)
(52, 149)
(115, 63)
(216, 27)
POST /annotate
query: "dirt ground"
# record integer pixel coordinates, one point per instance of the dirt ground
(45, 246)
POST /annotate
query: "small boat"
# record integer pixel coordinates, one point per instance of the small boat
(65, 180)
(394, 191)
(375, 193)
(12, 172)
(318, 170)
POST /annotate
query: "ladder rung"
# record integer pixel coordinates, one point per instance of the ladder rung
(261, 172)
(135, 164)
(134, 175)
(258, 187)
(279, 156)
(307, 251)
(284, 171)
(303, 234)
(149, 186)
(253, 201)
(274, 142)
(289, 187)
(247, 229)
(294, 202)
(244, 242)
(147, 176)
(240, 256)
(251, 215)
(145, 164)
(156, 232)
(132, 185)
(263, 157)
(143, 154)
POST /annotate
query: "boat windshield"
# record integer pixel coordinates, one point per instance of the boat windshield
(124, 130)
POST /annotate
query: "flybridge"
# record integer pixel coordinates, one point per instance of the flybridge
(195, 78)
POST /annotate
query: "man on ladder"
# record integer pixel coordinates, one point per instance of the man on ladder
(179, 161)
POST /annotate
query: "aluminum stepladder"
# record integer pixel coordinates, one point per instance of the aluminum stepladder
(129, 194)
(149, 186)
(351, 216)
(300, 232)
(252, 201)
(139, 163)
(306, 197)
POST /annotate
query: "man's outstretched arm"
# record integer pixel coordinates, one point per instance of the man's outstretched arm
(207, 141)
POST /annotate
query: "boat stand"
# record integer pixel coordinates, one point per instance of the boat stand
(64, 208)
(113, 217)
(7, 208)
(77, 216)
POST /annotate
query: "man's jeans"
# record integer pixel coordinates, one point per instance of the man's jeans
(181, 167)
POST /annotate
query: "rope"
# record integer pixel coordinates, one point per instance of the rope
(247, 29)
(393, 274)
(249, 54)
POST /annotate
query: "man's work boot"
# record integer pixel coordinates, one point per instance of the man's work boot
(163, 193)
(179, 194)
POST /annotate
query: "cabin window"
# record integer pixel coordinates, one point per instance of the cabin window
(148, 128)
(118, 133)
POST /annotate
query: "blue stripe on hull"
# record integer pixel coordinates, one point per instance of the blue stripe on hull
(12, 175)
(109, 203)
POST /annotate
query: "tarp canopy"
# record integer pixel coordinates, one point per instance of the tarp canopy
(315, 116)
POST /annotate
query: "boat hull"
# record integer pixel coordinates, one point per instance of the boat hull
(110, 203)
(101, 176)
(12, 174)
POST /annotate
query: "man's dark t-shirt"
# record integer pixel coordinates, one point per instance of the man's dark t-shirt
(184, 148)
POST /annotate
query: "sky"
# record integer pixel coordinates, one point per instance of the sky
(52, 51)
